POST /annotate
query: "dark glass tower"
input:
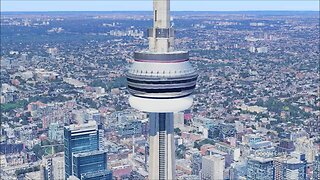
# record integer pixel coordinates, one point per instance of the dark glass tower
(89, 162)
(98, 175)
(82, 153)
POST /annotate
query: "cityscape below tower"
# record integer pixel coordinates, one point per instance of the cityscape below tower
(159, 90)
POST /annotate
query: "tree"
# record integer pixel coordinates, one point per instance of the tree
(279, 130)
(98, 83)
(181, 151)
(45, 142)
(198, 144)
(177, 131)
(246, 100)
(38, 150)
(259, 102)
(59, 148)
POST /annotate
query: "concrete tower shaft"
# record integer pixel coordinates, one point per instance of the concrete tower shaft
(161, 10)
(161, 36)
(161, 81)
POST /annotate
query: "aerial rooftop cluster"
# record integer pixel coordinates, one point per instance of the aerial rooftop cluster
(256, 103)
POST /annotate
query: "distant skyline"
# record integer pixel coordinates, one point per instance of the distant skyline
(146, 5)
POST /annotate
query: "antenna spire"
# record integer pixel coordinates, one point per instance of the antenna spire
(161, 36)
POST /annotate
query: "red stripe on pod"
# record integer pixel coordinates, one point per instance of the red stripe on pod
(161, 61)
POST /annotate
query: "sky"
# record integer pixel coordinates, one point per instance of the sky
(146, 5)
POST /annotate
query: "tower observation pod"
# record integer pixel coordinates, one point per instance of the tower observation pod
(161, 81)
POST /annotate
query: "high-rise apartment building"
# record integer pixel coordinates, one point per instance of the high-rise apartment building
(290, 168)
(92, 114)
(212, 167)
(161, 82)
(294, 169)
(58, 171)
(260, 168)
(316, 167)
(178, 119)
(52, 167)
(278, 164)
(196, 163)
(55, 132)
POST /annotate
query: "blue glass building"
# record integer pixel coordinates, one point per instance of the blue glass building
(79, 139)
(87, 162)
(259, 168)
(99, 175)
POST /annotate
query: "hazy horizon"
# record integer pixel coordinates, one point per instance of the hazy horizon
(171, 11)
(132, 5)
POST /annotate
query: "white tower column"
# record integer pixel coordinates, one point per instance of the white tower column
(162, 150)
(161, 81)
(161, 37)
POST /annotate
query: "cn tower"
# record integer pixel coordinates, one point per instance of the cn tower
(161, 81)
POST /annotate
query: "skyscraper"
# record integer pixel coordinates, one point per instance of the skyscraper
(316, 167)
(290, 167)
(294, 169)
(260, 168)
(98, 175)
(161, 82)
(278, 164)
(87, 163)
(83, 157)
(79, 138)
(58, 167)
(196, 163)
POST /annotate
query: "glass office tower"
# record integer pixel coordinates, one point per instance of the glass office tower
(98, 175)
(89, 162)
(79, 139)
